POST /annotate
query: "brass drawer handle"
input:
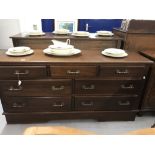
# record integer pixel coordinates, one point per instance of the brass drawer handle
(127, 87)
(87, 103)
(124, 103)
(54, 88)
(73, 72)
(91, 87)
(18, 105)
(122, 72)
(15, 89)
(17, 72)
(58, 104)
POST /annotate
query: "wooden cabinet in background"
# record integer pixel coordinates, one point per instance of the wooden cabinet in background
(139, 36)
(83, 43)
(149, 98)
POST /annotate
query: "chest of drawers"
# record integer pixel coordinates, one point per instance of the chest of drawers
(86, 86)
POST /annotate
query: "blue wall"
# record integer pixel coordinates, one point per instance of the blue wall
(47, 25)
(94, 24)
(99, 24)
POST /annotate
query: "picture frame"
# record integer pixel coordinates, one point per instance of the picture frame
(71, 25)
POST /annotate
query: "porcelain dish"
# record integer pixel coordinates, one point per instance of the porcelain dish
(19, 49)
(19, 54)
(104, 33)
(36, 33)
(114, 52)
(81, 33)
(66, 52)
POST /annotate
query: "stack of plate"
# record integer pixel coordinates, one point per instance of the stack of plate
(61, 31)
(19, 51)
(61, 49)
(36, 33)
(81, 33)
(104, 33)
(114, 52)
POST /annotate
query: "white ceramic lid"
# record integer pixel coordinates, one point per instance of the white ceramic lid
(19, 49)
(114, 51)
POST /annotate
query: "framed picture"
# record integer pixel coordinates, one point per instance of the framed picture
(70, 25)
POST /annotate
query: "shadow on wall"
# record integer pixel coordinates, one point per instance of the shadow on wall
(91, 25)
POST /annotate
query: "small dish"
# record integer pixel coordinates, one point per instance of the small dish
(36, 34)
(81, 34)
(61, 31)
(20, 53)
(104, 33)
(114, 55)
(19, 49)
(56, 52)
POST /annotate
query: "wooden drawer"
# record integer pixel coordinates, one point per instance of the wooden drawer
(36, 87)
(123, 71)
(108, 87)
(73, 71)
(36, 104)
(103, 103)
(24, 72)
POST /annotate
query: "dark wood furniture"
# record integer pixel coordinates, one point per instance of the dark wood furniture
(42, 42)
(149, 99)
(84, 86)
(140, 35)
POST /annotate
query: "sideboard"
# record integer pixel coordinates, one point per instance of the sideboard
(84, 86)
(42, 42)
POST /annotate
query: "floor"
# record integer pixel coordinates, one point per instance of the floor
(105, 128)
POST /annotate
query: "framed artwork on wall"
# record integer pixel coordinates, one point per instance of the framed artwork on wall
(70, 25)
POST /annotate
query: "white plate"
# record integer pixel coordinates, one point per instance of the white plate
(99, 34)
(63, 33)
(61, 47)
(114, 55)
(36, 34)
(59, 53)
(104, 33)
(114, 51)
(19, 54)
(19, 49)
(81, 34)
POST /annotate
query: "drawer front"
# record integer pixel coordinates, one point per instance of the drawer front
(73, 71)
(24, 72)
(102, 103)
(36, 87)
(123, 71)
(36, 104)
(108, 87)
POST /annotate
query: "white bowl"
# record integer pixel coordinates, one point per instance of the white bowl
(61, 47)
(19, 49)
(81, 33)
(104, 33)
(61, 31)
(114, 51)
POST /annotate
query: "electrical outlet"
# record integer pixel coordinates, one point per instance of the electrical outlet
(35, 27)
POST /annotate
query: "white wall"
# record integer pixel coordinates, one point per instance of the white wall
(26, 24)
(8, 27)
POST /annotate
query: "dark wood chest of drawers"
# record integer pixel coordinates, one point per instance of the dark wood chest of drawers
(86, 86)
